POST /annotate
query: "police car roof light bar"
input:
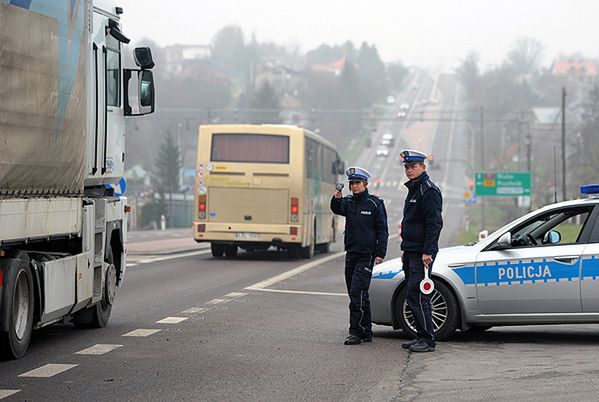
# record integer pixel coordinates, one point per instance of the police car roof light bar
(591, 190)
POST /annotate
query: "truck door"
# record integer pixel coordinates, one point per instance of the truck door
(108, 116)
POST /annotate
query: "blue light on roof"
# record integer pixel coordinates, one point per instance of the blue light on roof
(589, 189)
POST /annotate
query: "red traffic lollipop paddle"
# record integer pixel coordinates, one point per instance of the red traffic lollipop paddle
(427, 285)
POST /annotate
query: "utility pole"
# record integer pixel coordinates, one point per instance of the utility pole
(482, 164)
(564, 191)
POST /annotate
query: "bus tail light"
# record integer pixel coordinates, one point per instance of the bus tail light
(293, 231)
(202, 206)
(294, 209)
(201, 228)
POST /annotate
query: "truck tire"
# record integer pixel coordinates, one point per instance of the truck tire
(14, 342)
(217, 249)
(97, 316)
(446, 312)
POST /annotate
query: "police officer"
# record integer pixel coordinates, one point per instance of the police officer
(420, 230)
(366, 236)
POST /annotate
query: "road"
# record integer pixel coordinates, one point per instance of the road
(262, 327)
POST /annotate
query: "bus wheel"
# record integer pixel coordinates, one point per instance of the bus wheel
(307, 252)
(324, 248)
(14, 342)
(217, 249)
(231, 251)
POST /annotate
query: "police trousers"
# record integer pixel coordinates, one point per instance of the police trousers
(418, 303)
(358, 272)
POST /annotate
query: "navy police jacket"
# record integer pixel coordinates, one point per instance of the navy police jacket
(365, 223)
(422, 220)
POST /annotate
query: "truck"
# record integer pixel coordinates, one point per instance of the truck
(64, 99)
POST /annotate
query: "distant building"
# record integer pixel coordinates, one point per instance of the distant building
(336, 67)
(583, 69)
(177, 56)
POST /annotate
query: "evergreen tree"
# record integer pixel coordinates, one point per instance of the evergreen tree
(166, 172)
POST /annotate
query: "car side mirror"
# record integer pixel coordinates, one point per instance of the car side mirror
(504, 241)
(552, 237)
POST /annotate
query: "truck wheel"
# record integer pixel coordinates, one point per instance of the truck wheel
(231, 251)
(217, 249)
(446, 312)
(308, 251)
(324, 248)
(97, 316)
(14, 342)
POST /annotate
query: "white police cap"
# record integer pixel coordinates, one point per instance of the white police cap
(357, 173)
(412, 156)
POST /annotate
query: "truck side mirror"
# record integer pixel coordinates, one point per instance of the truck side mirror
(338, 167)
(143, 96)
(143, 58)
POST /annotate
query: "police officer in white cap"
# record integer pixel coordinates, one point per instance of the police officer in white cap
(420, 230)
(366, 237)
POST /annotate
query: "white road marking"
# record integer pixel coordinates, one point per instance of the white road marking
(235, 295)
(98, 349)
(132, 264)
(49, 370)
(195, 310)
(5, 393)
(172, 320)
(301, 292)
(218, 301)
(148, 260)
(296, 271)
(142, 332)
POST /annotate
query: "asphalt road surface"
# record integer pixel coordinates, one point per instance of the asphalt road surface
(263, 327)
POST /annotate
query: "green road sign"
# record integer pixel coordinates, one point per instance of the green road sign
(502, 184)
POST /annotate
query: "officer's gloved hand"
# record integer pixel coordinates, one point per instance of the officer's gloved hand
(378, 260)
(338, 194)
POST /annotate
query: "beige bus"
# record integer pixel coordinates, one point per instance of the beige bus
(259, 186)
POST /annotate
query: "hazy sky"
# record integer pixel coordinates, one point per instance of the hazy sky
(416, 31)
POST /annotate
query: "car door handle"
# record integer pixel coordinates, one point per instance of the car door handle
(457, 265)
(568, 259)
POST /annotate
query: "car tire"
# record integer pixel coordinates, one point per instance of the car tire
(442, 296)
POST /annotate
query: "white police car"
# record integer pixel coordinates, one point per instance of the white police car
(542, 268)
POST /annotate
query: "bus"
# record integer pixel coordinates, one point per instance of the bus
(259, 186)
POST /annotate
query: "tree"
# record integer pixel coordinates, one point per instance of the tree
(166, 171)
(469, 75)
(396, 73)
(525, 56)
(229, 52)
(267, 99)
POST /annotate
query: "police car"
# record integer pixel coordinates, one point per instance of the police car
(542, 268)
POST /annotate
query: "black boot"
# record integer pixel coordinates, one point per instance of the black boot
(406, 345)
(422, 347)
(353, 340)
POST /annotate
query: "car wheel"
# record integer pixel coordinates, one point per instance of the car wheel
(446, 312)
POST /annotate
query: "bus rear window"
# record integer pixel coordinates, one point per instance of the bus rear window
(250, 148)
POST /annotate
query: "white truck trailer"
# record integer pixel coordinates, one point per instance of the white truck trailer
(64, 96)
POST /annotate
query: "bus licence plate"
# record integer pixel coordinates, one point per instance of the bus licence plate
(247, 235)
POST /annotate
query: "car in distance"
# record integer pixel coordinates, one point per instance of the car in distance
(387, 140)
(390, 100)
(404, 106)
(542, 268)
(382, 151)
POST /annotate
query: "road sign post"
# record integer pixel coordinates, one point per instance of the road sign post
(502, 184)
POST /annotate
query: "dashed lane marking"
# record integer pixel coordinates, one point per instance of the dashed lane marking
(49, 370)
(218, 301)
(98, 349)
(142, 332)
(302, 292)
(195, 310)
(172, 320)
(5, 393)
(235, 295)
